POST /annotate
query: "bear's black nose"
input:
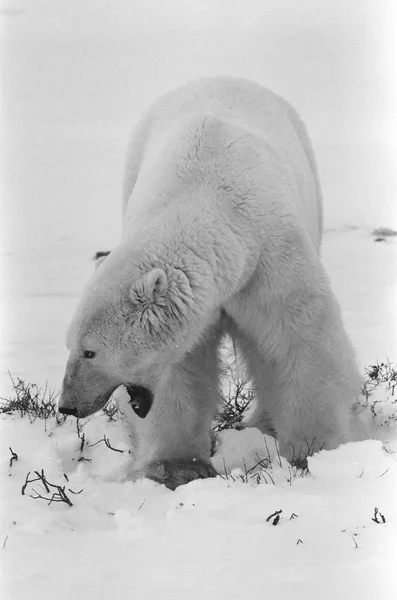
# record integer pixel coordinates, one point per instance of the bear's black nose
(69, 411)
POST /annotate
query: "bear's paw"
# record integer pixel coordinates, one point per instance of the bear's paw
(174, 474)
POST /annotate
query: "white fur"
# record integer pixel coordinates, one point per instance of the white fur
(222, 229)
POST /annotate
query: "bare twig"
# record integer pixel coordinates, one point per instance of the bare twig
(225, 469)
(58, 496)
(260, 470)
(14, 456)
(263, 474)
(25, 484)
(80, 433)
(375, 517)
(278, 454)
(107, 443)
(267, 449)
(277, 512)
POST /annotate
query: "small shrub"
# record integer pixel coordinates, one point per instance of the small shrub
(112, 410)
(379, 392)
(31, 401)
(381, 374)
(238, 394)
(383, 232)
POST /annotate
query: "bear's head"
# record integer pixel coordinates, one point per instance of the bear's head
(130, 322)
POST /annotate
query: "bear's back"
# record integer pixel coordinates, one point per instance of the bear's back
(242, 103)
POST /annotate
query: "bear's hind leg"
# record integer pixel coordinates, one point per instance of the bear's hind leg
(301, 362)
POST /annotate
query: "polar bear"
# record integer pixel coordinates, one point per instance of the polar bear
(222, 225)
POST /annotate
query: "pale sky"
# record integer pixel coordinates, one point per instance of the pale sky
(76, 74)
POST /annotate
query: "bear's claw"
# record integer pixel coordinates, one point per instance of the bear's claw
(175, 474)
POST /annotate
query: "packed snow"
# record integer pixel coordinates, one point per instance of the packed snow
(77, 79)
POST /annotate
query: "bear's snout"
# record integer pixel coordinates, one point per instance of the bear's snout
(68, 411)
(83, 394)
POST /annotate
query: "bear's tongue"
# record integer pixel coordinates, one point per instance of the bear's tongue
(141, 399)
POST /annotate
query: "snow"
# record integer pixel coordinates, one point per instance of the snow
(208, 539)
(77, 76)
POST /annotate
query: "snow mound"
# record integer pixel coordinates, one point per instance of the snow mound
(359, 459)
(243, 449)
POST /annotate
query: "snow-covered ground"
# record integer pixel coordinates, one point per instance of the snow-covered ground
(75, 77)
(208, 539)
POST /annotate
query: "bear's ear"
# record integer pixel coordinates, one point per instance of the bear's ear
(100, 257)
(149, 287)
(161, 297)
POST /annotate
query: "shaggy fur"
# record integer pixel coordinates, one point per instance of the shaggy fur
(221, 234)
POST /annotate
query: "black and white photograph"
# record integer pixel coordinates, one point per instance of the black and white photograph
(198, 291)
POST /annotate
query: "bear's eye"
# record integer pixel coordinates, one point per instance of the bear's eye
(88, 354)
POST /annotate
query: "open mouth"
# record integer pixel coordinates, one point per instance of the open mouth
(141, 399)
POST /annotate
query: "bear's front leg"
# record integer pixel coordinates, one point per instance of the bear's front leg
(174, 439)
